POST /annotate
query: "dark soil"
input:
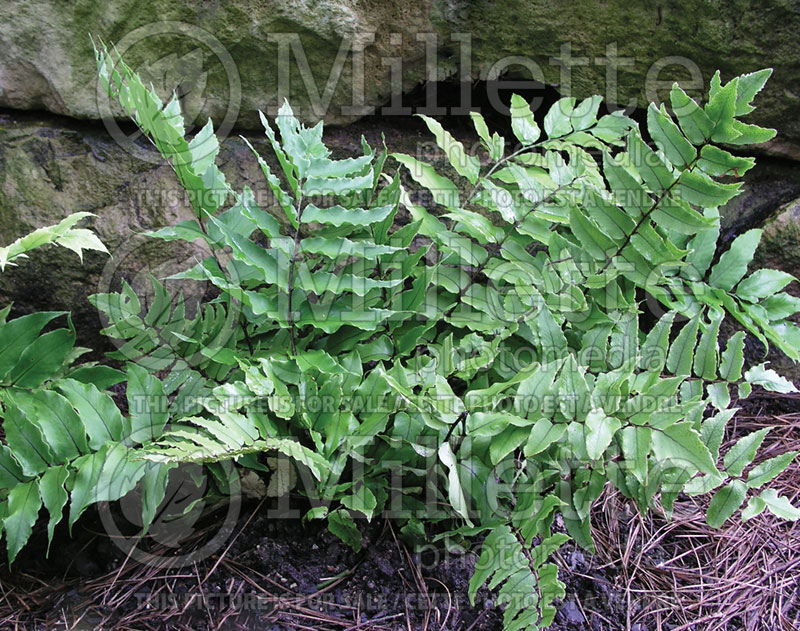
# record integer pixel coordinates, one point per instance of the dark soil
(277, 574)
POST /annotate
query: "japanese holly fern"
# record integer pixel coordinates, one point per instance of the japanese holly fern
(478, 368)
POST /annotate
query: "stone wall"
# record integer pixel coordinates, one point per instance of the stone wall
(227, 56)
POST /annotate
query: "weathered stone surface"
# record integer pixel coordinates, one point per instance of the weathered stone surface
(231, 48)
(780, 249)
(222, 57)
(780, 244)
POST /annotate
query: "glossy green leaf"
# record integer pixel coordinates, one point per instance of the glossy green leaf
(732, 265)
(22, 511)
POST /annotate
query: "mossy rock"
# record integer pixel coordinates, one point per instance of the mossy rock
(226, 55)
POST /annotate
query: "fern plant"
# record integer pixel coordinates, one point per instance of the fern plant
(491, 358)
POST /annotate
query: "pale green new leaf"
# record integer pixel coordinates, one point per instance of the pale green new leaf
(768, 379)
(454, 491)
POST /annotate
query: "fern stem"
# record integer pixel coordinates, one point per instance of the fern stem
(646, 216)
(292, 262)
(496, 165)
(528, 558)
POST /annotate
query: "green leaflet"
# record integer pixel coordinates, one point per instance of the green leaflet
(706, 357)
(721, 109)
(636, 443)
(694, 122)
(26, 443)
(284, 200)
(21, 513)
(494, 144)
(769, 469)
(716, 161)
(98, 412)
(701, 190)
(678, 216)
(681, 351)
(656, 174)
(17, 334)
(779, 505)
(542, 435)
(551, 336)
(732, 358)
(54, 497)
(653, 353)
(754, 507)
(600, 430)
(146, 405)
(104, 476)
(60, 426)
(763, 283)
(732, 265)
(557, 121)
(725, 502)
(334, 248)
(321, 186)
(681, 444)
(465, 165)
(522, 123)
(507, 442)
(340, 216)
(341, 524)
(42, 359)
(443, 190)
(743, 452)
(669, 138)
